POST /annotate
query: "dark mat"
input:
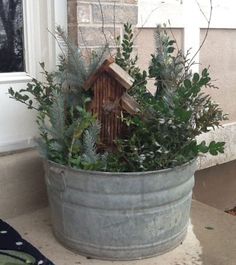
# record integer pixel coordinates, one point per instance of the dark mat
(14, 250)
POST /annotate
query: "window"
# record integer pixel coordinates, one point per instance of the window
(32, 20)
(11, 36)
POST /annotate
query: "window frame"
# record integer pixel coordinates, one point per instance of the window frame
(40, 46)
(37, 29)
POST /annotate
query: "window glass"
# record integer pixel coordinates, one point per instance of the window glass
(11, 36)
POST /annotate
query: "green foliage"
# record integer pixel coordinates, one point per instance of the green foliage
(167, 69)
(90, 159)
(69, 133)
(76, 66)
(40, 92)
(163, 134)
(126, 59)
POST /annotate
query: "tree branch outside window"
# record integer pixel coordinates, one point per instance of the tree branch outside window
(11, 36)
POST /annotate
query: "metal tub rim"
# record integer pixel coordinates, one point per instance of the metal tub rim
(121, 174)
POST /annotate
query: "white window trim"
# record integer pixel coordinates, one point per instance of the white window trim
(55, 12)
(40, 46)
(19, 77)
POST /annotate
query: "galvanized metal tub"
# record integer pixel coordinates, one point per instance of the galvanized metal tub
(120, 216)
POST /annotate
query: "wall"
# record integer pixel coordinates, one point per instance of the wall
(93, 23)
(22, 185)
(215, 186)
(219, 52)
(146, 46)
(17, 123)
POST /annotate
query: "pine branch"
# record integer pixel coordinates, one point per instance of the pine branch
(57, 115)
(90, 155)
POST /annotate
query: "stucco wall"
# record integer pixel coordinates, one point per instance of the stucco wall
(215, 186)
(219, 52)
(146, 46)
(22, 185)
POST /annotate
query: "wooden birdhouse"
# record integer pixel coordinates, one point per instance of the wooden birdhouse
(110, 84)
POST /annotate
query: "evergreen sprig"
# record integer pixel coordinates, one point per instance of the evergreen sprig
(163, 133)
(69, 133)
(127, 59)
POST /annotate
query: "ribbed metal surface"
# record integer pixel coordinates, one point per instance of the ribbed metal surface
(120, 216)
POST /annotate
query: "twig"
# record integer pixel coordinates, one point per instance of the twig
(103, 23)
(145, 21)
(58, 43)
(172, 33)
(28, 105)
(207, 31)
(204, 15)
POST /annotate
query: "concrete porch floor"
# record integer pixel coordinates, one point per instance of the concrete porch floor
(211, 240)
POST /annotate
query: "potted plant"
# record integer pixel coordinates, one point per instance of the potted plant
(131, 200)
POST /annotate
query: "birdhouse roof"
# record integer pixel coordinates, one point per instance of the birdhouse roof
(115, 71)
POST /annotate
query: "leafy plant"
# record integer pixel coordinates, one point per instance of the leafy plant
(69, 133)
(75, 67)
(127, 59)
(162, 134)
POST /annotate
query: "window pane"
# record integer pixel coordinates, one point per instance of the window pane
(11, 36)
